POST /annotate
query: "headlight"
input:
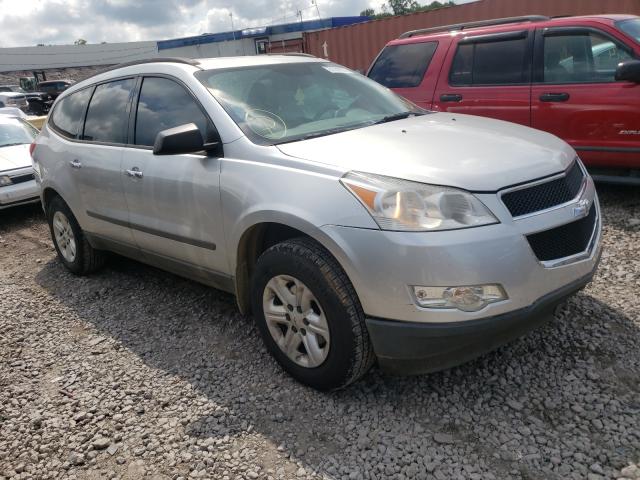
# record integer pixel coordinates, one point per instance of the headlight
(5, 181)
(397, 204)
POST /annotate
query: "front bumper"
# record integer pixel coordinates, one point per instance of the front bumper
(19, 194)
(411, 348)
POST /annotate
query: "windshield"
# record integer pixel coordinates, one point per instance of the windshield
(287, 102)
(630, 27)
(14, 131)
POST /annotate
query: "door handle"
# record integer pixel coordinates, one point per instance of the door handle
(554, 97)
(450, 97)
(134, 172)
(75, 163)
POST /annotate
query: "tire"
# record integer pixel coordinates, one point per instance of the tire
(74, 250)
(37, 108)
(346, 354)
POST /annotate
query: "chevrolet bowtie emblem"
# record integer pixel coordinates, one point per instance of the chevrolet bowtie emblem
(581, 209)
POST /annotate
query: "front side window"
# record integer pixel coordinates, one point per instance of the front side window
(165, 104)
(400, 66)
(286, 102)
(108, 115)
(631, 27)
(582, 57)
(502, 62)
(68, 115)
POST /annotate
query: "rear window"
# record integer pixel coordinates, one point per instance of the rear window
(69, 112)
(490, 63)
(401, 66)
(108, 115)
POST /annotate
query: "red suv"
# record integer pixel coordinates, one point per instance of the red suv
(576, 77)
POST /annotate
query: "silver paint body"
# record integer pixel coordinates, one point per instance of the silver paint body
(217, 200)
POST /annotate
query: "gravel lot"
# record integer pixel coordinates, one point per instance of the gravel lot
(133, 372)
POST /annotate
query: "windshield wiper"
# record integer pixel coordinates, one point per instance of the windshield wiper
(12, 144)
(397, 116)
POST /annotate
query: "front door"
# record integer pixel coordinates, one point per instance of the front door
(174, 200)
(488, 75)
(575, 95)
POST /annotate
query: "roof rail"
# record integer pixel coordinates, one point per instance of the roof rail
(188, 61)
(294, 54)
(481, 23)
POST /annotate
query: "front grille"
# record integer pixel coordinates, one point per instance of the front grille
(545, 195)
(22, 178)
(565, 240)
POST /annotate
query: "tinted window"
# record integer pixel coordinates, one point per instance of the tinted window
(491, 63)
(581, 58)
(403, 65)
(69, 112)
(107, 117)
(165, 104)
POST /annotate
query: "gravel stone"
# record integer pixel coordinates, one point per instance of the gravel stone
(134, 373)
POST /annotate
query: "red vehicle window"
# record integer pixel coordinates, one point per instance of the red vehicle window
(583, 57)
(501, 62)
(401, 66)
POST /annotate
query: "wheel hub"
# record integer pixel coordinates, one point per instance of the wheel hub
(295, 320)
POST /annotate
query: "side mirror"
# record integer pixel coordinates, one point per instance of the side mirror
(628, 71)
(182, 139)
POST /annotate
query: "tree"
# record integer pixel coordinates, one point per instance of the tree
(80, 41)
(401, 7)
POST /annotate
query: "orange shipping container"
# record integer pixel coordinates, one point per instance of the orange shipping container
(356, 46)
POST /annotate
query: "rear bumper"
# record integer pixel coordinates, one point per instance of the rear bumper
(412, 348)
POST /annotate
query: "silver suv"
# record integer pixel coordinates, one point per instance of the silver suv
(352, 224)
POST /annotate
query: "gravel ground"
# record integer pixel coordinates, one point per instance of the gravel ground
(134, 373)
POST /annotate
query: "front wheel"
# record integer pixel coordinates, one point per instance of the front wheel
(309, 315)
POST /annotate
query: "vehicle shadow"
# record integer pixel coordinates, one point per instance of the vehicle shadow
(23, 215)
(196, 334)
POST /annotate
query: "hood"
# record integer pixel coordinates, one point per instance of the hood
(12, 94)
(469, 152)
(16, 156)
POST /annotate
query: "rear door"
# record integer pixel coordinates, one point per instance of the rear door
(174, 200)
(405, 68)
(488, 75)
(97, 160)
(575, 95)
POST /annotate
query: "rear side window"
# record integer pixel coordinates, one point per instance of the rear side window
(108, 115)
(165, 104)
(501, 62)
(400, 66)
(69, 112)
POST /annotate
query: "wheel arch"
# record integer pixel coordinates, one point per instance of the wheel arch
(261, 235)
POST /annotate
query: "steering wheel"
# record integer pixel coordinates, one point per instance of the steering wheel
(337, 110)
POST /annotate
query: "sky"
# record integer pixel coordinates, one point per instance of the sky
(31, 22)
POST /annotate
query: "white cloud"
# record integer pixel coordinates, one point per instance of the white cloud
(30, 22)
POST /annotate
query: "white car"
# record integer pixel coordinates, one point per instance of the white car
(14, 99)
(17, 183)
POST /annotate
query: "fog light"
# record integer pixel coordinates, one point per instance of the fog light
(467, 299)
(5, 180)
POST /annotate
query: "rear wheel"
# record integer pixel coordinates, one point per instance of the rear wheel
(309, 315)
(74, 251)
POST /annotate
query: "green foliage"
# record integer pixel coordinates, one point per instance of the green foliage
(402, 7)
